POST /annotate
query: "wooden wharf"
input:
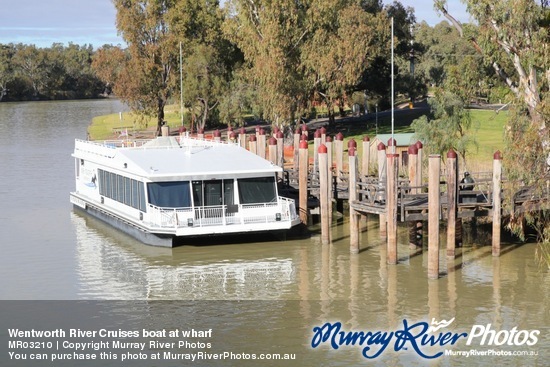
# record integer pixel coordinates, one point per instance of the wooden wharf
(323, 179)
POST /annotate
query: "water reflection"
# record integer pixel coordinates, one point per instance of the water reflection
(114, 266)
(325, 282)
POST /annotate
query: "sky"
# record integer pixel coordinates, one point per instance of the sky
(44, 22)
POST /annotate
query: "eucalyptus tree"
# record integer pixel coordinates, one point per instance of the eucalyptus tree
(344, 40)
(270, 33)
(448, 126)
(208, 57)
(513, 37)
(29, 63)
(205, 83)
(108, 63)
(148, 78)
(6, 70)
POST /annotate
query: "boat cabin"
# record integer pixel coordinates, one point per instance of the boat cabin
(173, 187)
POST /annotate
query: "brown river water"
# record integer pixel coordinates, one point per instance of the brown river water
(258, 294)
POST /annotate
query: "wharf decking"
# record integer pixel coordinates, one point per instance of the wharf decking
(412, 201)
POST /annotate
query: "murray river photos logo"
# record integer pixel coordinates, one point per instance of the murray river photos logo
(427, 340)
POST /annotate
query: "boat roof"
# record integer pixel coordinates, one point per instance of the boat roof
(171, 158)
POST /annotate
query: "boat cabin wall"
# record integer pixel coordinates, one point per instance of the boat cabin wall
(102, 187)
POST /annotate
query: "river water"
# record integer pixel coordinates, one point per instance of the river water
(262, 294)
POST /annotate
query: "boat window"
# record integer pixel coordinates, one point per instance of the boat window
(197, 193)
(77, 167)
(257, 190)
(142, 206)
(169, 194)
(112, 178)
(135, 194)
(101, 179)
(122, 189)
(128, 191)
(213, 193)
(228, 192)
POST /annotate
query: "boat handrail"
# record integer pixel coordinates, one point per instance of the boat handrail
(220, 214)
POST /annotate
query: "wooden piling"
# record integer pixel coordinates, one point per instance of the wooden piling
(391, 207)
(353, 216)
(352, 144)
(200, 134)
(420, 149)
(296, 142)
(419, 181)
(328, 144)
(316, 144)
(323, 187)
(365, 158)
(242, 137)
(412, 168)
(165, 130)
(272, 150)
(217, 135)
(261, 148)
(302, 180)
(253, 144)
(339, 153)
(382, 182)
(497, 196)
(433, 215)
(280, 149)
(305, 131)
(323, 132)
(452, 202)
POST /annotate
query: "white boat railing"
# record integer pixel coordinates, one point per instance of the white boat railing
(221, 215)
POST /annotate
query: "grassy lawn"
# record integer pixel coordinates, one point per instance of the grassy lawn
(108, 126)
(487, 126)
(490, 133)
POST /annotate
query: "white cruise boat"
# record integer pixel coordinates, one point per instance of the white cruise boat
(163, 190)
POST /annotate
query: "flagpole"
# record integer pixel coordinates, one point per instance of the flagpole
(181, 87)
(392, 91)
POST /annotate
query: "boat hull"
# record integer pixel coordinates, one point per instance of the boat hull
(172, 240)
(148, 238)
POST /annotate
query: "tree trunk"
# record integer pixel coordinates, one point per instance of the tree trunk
(341, 109)
(331, 116)
(160, 114)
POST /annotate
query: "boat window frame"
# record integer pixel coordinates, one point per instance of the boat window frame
(109, 187)
(258, 196)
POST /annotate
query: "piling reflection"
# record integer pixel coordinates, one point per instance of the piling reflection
(309, 283)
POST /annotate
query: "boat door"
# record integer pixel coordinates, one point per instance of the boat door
(212, 198)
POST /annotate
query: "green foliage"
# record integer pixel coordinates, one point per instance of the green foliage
(448, 127)
(513, 37)
(147, 80)
(56, 72)
(238, 101)
(204, 82)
